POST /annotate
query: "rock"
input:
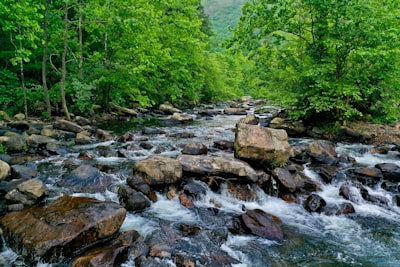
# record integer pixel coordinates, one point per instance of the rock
(22, 172)
(4, 116)
(285, 179)
(250, 119)
(103, 135)
(113, 253)
(86, 179)
(235, 111)
(5, 170)
(13, 142)
(349, 193)
(168, 109)
(123, 110)
(293, 128)
(40, 141)
(138, 183)
(193, 148)
(314, 203)
(345, 208)
(159, 170)
(262, 147)
(19, 117)
(390, 171)
(160, 251)
(374, 198)
(132, 200)
(260, 223)
(195, 188)
(56, 231)
(242, 191)
(185, 201)
(367, 176)
(68, 126)
(83, 138)
(82, 121)
(323, 152)
(224, 145)
(180, 118)
(28, 192)
(218, 166)
(57, 134)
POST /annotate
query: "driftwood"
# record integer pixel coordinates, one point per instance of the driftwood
(123, 110)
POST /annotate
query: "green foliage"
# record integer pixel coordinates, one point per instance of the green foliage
(331, 60)
(8, 83)
(3, 149)
(82, 95)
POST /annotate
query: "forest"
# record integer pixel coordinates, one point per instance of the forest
(329, 60)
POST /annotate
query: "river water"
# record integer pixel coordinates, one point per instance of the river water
(370, 237)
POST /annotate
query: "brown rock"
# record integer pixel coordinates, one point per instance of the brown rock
(185, 201)
(193, 148)
(55, 231)
(159, 170)
(263, 147)
(262, 224)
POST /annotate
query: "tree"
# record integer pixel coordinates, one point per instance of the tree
(331, 59)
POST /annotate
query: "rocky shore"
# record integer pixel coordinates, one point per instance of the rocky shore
(43, 225)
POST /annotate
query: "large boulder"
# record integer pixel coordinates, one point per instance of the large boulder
(86, 179)
(168, 109)
(55, 231)
(4, 170)
(323, 152)
(264, 147)
(132, 200)
(36, 141)
(218, 166)
(13, 142)
(159, 170)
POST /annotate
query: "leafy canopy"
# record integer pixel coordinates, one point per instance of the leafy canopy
(331, 60)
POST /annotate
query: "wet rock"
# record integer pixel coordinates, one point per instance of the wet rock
(235, 111)
(374, 198)
(314, 203)
(390, 171)
(126, 137)
(103, 135)
(180, 118)
(87, 179)
(260, 223)
(263, 147)
(327, 173)
(224, 145)
(185, 201)
(138, 183)
(56, 231)
(160, 251)
(185, 260)
(285, 179)
(152, 130)
(28, 192)
(83, 138)
(146, 146)
(367, 176)
(243, 192)
(132, 200)
(22, 172)
(182, 135)
(323, 152)
(195, 188)
(113, 253)
(5, 170)
(349, 192)
(168, 109)
(293, 128)
(68, 126)
(86, 155)
(194, 148)
(159, 170)
(219, 166)
(345, 208)
(250, 119)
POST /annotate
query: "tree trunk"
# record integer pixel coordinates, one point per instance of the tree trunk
(80, 64)
(64, 64)
(21, 64)
(44, 62)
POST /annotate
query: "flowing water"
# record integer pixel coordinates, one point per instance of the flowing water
(370, 237)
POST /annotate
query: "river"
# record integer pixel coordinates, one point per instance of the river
(370, 237)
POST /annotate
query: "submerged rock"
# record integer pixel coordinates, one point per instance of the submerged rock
(54, 232)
